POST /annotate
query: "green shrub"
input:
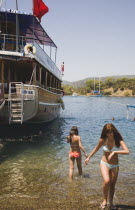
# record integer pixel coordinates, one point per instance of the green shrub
(107, 93)
(126, 94)
(115, 90)
(121, 88)
(133, 92)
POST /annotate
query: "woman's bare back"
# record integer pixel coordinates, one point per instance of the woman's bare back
(74, 144)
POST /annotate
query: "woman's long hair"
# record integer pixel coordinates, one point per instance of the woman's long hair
(110, 127)
(73, 131)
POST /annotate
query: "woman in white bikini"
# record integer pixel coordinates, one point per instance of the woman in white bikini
(109, 165)
(75, 153)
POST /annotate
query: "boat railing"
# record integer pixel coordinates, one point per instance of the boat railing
(55, 90)
(10, 42)
(46, 60)
(16, 43)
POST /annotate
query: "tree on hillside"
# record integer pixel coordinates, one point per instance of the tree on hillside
(122, 84)
(90, 85)
(68, 89)
(109, 82)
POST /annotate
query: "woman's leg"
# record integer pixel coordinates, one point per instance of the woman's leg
(106, 177)
(71, 167)
(113, 176)
(79, 164)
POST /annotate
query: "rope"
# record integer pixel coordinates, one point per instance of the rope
(110, 101)
(127, 105)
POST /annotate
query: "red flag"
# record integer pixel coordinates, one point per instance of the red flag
(39, 9)
(62, 67)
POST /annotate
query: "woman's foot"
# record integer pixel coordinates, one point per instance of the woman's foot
(103, 206)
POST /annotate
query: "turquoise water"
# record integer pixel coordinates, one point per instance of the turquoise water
(34, 159)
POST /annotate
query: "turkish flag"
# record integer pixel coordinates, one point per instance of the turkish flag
(62, 67)
(39, 9)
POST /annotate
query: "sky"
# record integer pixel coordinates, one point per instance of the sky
(95, 38)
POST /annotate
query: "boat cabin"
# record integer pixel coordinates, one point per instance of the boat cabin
(22, 52)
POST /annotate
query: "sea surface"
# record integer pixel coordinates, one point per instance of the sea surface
(34, 158)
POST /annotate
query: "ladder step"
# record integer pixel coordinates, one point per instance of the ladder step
(16, 99)
(15, 120)
(16, 110)
(16, 115)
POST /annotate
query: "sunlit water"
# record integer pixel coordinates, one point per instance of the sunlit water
(34, 159)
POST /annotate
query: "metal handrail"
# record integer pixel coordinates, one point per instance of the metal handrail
(8, 42)
(55, 89)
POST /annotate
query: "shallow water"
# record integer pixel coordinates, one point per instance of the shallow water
(34, 159)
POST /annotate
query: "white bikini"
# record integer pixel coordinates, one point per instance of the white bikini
(110, 166)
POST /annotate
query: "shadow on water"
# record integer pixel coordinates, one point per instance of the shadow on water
(14, 139)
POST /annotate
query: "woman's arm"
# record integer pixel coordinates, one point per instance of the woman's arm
(124, 151)
(81, 147)
(97, 147)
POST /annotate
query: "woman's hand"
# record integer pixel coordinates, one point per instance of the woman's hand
(86, 155)
(87, 160)
(110, 156)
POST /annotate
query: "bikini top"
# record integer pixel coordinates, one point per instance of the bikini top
(106, 149)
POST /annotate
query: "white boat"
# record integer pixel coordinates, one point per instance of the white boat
(74, 94)
(29, 78)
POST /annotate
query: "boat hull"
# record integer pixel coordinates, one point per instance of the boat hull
(43, 106)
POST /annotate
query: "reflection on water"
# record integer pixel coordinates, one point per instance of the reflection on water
(34, 160)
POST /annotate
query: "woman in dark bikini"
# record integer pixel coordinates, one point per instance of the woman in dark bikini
(109, 166)
(75, 153)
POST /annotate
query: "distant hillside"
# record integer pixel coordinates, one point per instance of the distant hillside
(82, 83)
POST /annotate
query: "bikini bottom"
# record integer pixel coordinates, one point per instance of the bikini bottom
(110, 166)
(74, 154)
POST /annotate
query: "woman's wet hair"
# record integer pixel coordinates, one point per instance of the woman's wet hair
(109, 127)
(73, 131)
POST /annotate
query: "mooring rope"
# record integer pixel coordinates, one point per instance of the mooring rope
(127, 105)
(110, 101)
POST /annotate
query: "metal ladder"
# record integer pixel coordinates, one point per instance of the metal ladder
(15, 99)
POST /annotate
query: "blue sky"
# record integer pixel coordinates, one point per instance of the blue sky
(95, 38)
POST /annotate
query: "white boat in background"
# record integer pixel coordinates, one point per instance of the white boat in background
(74, 94)
(30, 82)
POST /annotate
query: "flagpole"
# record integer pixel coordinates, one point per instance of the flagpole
(16, 5)
(1, 2)
(17, 29)
(33, 19)
(99, 85)
(32, 6)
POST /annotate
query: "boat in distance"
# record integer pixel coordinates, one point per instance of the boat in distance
(74, 94)
(95, 93)
(30, 82)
